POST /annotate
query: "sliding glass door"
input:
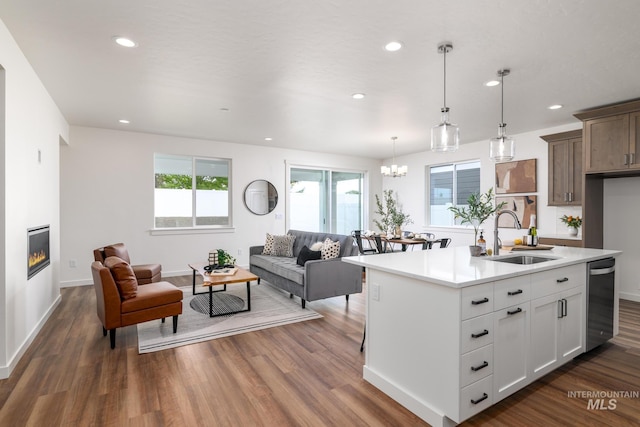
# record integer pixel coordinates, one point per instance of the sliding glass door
(327, 201)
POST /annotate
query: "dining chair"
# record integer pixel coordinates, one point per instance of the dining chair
(444, 242)
(357, 236)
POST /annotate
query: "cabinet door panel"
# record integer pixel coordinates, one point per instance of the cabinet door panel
(571, 326)
(634, 148)
(511, 350)
(558, 174)
(544, 335)
(607, 143)
(574, 186)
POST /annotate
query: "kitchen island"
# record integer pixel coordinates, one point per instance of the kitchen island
(449, 335)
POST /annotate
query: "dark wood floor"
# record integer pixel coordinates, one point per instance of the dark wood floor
(304, 374)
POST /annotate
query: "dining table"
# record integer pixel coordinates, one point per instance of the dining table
(404, 242)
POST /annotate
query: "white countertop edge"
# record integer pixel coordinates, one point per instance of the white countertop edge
(389, 263)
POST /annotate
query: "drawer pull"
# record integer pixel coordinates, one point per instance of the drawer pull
(477, 368)
(564, 279)
(481, 301)
(516, 311)
(512, 293)
(476, 401)
(480, 334)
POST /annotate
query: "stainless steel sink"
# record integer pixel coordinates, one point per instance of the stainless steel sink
(522, 259)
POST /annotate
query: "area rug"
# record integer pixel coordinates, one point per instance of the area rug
(270, 307)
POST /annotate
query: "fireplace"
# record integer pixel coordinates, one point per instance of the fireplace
(38, 250)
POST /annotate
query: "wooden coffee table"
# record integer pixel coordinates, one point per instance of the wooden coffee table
(218, 279)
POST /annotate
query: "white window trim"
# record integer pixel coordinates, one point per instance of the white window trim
(427, 172)
(206, 229)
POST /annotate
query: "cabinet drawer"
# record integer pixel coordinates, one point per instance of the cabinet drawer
(551, 281)
(477, 300)
(511, 292)
(475, 398)
(476, 333)
(476, 365)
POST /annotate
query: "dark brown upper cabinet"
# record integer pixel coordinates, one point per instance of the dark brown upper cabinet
(612, 139)
(565, 168)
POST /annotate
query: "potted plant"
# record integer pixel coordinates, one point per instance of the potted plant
(573, 222)
(479, 208)
(220, 259)
(392, 216)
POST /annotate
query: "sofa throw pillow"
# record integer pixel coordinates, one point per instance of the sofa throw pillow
(317, 246)
(123, 276)
(307, 254)
(283, 245)
(268, 245)
(330, 249)
(279, 245)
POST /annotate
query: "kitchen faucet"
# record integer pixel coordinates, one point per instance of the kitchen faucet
(496, 245)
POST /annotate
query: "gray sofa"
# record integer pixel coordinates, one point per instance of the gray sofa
(318, 279)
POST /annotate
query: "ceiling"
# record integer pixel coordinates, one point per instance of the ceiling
(242, 70)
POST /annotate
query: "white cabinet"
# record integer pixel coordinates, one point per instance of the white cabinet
(510, 349)
(448, 353)
(558, 323)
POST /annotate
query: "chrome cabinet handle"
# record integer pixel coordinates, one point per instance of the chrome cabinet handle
(632, 158)
(626, 159)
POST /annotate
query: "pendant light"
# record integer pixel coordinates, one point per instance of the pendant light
(445, 136)
(502, 148)
(394, 170)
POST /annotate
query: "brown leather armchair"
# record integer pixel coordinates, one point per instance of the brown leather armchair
(145, 273)
(118, 307)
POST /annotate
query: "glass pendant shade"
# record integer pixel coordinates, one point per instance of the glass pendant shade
(503, 147)
(445, 136)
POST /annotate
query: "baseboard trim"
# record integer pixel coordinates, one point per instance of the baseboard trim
(630, 296)
(5, 371)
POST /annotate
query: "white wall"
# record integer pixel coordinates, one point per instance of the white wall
(621, 207)
(32, 123)
(413, 189)
(107, 190)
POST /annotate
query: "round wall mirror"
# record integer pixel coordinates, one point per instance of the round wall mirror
(260, 197)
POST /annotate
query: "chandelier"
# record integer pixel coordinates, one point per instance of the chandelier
(394, 170)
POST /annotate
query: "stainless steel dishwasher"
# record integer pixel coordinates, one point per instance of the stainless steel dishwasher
(600, 300)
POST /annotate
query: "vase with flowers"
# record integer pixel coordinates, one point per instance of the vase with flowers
(573, 223)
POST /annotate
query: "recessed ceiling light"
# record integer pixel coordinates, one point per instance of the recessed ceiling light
(268, 139)
(492, 83)
(123, 41)
(393, 46)
(555, 107)
(357, 95)
(224, 109)
(124, 121)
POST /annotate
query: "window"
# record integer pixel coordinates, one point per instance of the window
(326, 201)
(191, 192)
(451, 185)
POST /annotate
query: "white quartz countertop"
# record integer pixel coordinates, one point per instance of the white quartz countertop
(456, 268)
